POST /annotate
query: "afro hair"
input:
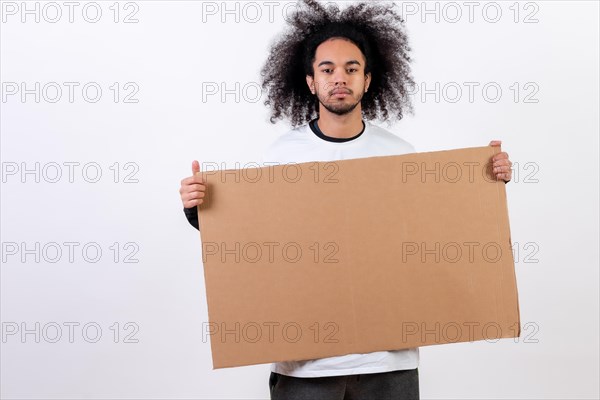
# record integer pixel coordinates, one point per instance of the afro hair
(376, 29)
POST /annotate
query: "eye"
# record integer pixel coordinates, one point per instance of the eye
(326, 70)
(352, 69)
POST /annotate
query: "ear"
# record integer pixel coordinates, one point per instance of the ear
(310, 81)
(367, 81)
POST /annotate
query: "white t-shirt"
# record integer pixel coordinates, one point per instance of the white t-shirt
(305, 145)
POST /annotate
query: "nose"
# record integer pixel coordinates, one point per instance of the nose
(339, 77)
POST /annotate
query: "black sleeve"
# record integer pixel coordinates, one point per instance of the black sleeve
(192, 216)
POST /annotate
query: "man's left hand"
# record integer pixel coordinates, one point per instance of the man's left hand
(501, 164)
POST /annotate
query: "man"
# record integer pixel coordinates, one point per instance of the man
(353, 66)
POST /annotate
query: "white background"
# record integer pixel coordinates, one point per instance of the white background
(172, 53)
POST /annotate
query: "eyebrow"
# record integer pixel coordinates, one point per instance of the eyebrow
(331, 63)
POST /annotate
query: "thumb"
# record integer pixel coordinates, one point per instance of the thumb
(195, 167)
(495, 143)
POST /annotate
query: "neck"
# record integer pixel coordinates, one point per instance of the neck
(340, 126)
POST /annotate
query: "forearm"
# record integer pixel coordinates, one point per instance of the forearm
(192, 216)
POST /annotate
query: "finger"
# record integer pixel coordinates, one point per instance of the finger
(502, 170)
(503, 162)
(500, 156)
(191, 180)
(185, 190)
(195, 195)
(504, 177)
(192, 203)
(503, 165)
(196, 187)
(495, 143)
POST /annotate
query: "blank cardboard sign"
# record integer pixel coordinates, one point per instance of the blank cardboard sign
(319, 259)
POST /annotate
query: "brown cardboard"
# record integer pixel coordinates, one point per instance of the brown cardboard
(387, 274)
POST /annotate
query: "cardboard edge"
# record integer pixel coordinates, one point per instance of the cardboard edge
(504, 198)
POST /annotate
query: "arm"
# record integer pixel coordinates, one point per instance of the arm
(192, 216)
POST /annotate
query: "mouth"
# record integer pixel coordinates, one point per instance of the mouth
(340, 93)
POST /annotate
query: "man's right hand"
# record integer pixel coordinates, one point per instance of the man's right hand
(192, 188)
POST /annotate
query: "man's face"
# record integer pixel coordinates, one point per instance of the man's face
(339, 80)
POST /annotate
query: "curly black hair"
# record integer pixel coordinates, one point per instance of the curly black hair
(376, 29)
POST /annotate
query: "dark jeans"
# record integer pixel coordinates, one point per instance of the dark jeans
(394, 385)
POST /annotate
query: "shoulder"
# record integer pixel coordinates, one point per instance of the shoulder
(390, 139)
